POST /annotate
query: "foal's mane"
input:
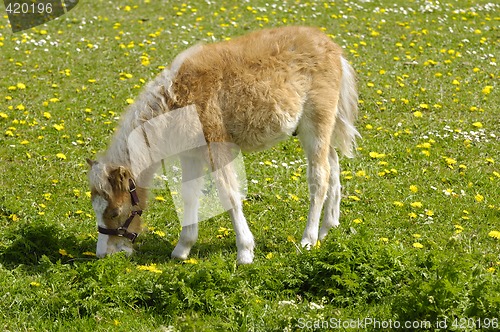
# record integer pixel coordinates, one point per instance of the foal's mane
(153, 101)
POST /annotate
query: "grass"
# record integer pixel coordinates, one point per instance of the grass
(419, 238)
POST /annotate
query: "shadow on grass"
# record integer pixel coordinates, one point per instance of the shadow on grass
(29, 242)
(155, 249)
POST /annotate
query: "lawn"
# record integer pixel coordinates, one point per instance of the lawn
(419, 241)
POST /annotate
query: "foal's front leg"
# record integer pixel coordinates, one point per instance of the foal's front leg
(229, 194)
(192, 183)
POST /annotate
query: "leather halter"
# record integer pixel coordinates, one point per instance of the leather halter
(123, 230)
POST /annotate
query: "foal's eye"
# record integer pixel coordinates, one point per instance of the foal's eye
(113, 213)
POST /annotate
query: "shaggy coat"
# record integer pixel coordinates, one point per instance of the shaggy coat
(253, 91)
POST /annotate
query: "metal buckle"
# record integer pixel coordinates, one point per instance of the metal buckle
(121, 231)
(133, 236)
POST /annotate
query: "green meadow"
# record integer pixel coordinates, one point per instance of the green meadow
(418, 246)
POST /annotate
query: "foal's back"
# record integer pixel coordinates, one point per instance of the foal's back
(253, 90)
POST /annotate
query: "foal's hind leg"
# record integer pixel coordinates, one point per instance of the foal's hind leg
(192, 184)
(332, 204)
(316, 147)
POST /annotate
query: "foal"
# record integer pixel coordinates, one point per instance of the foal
(252, 91)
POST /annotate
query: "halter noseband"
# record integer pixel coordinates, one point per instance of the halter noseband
(123, 230)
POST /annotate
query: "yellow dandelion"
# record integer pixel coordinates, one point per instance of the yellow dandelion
(487, 89)
(418, 245)
(21, 86)
(494, 234)
(413, 188)
(376, 155)
(479, 198)
(357, 221)
(61, 156)
(416, 204)
(58, 127)
(478, 124)
(150, 268)
(190, 261)
(159, 233)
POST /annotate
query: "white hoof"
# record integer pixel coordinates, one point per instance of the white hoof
(245, 256)
(180, 252)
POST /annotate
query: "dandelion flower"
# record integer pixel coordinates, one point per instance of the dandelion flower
(418, 245)
(190, 261)
(150, 268)
(487, 89)
(494, 234)
(61, 156)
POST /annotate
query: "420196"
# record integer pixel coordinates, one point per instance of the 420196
(475, 323)
(26, 8)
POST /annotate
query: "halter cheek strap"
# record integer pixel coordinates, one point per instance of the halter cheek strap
(122, 231)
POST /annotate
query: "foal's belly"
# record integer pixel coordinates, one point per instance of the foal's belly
(262, 129)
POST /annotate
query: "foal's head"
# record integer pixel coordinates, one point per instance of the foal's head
(116, 206)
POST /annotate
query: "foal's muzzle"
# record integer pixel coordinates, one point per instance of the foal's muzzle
(122, 231)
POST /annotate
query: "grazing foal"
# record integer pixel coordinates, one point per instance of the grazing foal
(252, 91)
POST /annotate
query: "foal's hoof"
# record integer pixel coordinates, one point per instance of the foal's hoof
(308, 244)
(180, 253)
(245, 257)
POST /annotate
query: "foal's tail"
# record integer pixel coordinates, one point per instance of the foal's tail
(344, 133)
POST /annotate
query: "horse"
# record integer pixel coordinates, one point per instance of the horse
(252, 92)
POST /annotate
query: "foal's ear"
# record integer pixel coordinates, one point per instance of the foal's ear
(118, 178)
(91, 162)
